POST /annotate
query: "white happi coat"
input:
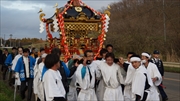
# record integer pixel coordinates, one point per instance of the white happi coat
(138, 84)
(128, 83)
(154, 72)
(87, 92)
(14, 62)
(52, 84)
(113, 79)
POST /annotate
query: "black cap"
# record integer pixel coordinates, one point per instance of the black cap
(156, 52)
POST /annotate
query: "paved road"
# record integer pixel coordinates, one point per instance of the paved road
(172, 83)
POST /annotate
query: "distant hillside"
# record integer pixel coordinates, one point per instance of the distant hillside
(138, 25)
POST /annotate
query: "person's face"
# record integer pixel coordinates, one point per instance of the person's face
(43, 59)
(57, 65)
(144, 58)
(109, 61)
(42, 52)
(26, 54)
(36, 53)
(90, 56)
(136, 64)
(14, 51)
(110, 49)
(20, 51)
(33, 51)
(128, 57)
(4, 51)
(156, 55)
(104, 55)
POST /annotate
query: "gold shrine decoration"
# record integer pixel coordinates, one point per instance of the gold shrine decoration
(81, 26)
(76, 30)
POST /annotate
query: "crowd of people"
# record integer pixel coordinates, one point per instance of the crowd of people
(84, 78)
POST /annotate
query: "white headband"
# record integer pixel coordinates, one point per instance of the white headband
(135, 59)
(146, 54)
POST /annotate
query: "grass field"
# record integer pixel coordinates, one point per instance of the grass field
(7, 93)
(172, 69)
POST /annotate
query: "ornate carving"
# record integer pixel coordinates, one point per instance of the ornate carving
(82, 17)
(41, 16)
(81, 26)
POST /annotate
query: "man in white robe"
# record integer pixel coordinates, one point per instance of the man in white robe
(127, 66)
(128, 83)
(37, 85)
(141, 81)
(36, 71)
(154, 74)
(100, 85)
(85, 78)
(113, 79)
(74, 62)
(53, 86)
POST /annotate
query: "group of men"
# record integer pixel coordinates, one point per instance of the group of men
(18, 68)
(84, 78)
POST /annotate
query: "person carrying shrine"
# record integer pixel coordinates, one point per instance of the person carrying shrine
(113, 79)
(154, 74)
(109, 48)
(100, 85)
(64, 71)
(25, 68)
(141, 81)
(39, 59)
(37, 83)
(85, 78)
(52, 80)
(73, 62)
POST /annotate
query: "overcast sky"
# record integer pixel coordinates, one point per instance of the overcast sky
(20, 17)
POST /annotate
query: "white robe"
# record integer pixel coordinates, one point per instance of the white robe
(101, 86)
(52, 84)
(113, 79)
(36, 76)
(87, 92)
(128, 82)
(37, 83)
(154, 72)
(138, 83)
(72, 94)
(14, 62)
